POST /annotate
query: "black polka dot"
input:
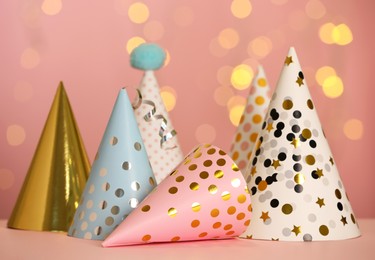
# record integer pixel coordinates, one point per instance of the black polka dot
(280, 125)
(253, 190)
(267, 163)
(296, 128)
(298, 188)
(269, 180)
(339, 206)
(274, 203)
(297, 167)
(314, 175)
(257, 152)
(264, 125)
(255, 161)
(274, 177)
(300, 74)
(301, 138)
(312, 144)
(277, 133)
(290, 137)
(297, 114)
(258, 180)
(274, 114)
(296, 157)
(281, 156)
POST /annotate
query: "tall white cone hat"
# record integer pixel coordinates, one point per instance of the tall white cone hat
(251, 120)
(297, 193)
(120, 177)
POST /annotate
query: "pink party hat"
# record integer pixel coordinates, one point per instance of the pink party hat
(205, 197)
(157, 132)
(297, 193)
(251, 120)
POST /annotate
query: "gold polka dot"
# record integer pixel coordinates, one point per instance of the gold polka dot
(262, 82)
(310, 159)
(194, 186)
(203, 234)
(338, 194)
(287, 209)
(146, 208)
(259, 100)
(126, 166)
(216, 225)
(109, 221)
(238, 137)
(146, 238)
(187, 161)
(113, 140)
(225, 195)
(253, 137)
(240, 216)
(219, 174)
(197, 154)
(287, 104)
(176, 238)
(231, 210)
(212, 189)
(323, 229)
(250, 208)
(192, 167)
(172, 212)
(235, 182)
(203, 175)
(207, 163)
(310, 104)
(262, 185)
(235, 155)
(180, 178)
(137, 146)
(247, 189)
(257, 119)
(241, 198)
(353, 218)
(229, 233)
(221, 162)
(227, 227)
(242, 119)
(173, 173)
(195, 223)
(196, 206)
(211, 151)
(221, 152)
(299, 178)
(235, 167)
(173, 190)
(215, 213)
(306, 133)
(151, 181)
(115, 210)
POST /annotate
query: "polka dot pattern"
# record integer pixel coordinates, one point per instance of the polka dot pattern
(163, 158)
(251, 120)
(120, 177)
(191, 204)
(297, 193)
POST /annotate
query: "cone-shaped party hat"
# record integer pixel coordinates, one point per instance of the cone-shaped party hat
(205, 197)
(251, 120)
(57, 174)
(297, 193)
(120, 177)
(158, 135)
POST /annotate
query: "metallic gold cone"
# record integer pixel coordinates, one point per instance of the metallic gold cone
(57, 175)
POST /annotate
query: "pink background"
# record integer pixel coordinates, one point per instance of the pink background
(84, 45)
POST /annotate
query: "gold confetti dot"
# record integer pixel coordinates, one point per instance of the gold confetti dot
(219, 174)
(310, 104)
(216, 225)
(215, 213)
(287, 209)
(250, 208)
(299, 178)
(241, 198)
(193, 167)
(310, 159)
(211, 151)
(227, 227)
(203, 234)
(287, 104)
(231, 210)
(262, 185)
(109, 221)
(146, 238)
(194, 186)
(180, 178)
(212, 189)
(137, 146)
(257, 119)
(207, 163)
(323, 229)
(203, 175)
(195, 223)
(221, 162)
(338, 194)
(240, 216)
(247, 222)
(262, 82)
(306, 133)
(176, 238)
(259, 100)
(187, 161)
(235, 167)
(197, 154)
(196, 206)
(173, 190)
(225, 195)
(172, 212)
(146, 208)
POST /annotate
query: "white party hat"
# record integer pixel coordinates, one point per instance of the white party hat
(251, 120)
(297, 193)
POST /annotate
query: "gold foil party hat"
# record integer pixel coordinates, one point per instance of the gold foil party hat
(57, 175)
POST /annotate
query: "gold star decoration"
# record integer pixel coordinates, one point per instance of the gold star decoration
(331, 160)
(274, 239)
(288, 60)
(319, 172)
(264, 216)
(275, 164)
(295, 142)
(320, 202)
(269, 127)
(253, 170)
(299, 81)
(249, 237)
(296, 230)
(343, 220)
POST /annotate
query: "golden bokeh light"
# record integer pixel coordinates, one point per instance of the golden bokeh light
(30, 58)
(235, 114)
(260, 47)
(323, 73)
(342, 35)
(134, 42)
(241, 8)
(183, 16)
(353, 129)
(169, 97)
(205, 133)
(236, 101)
(51, 7)
(315, 9)
(153, 30)
(138, 12)
(15, 135)
(241, 77)
(228, 38)
(222, 95)
(325, 33)
(333, 87)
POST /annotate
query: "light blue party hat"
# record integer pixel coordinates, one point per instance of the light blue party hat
(120, 178)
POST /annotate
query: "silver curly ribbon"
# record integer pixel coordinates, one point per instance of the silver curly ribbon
(151, 115)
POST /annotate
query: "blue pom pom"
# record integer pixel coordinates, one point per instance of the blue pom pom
(147, 56)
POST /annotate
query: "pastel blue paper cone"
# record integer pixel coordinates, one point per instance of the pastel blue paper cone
(120, 178)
